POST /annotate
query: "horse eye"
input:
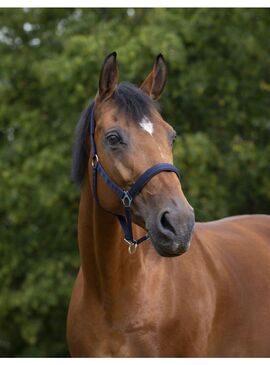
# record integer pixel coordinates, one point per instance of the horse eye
(113, 139)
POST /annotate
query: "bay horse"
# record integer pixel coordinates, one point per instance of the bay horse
(214, 301)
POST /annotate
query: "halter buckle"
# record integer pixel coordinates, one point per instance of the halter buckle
(126, 199)
(132, 246)
(94, 161)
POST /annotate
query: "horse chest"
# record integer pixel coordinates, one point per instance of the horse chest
(121, 337)
(149, 331)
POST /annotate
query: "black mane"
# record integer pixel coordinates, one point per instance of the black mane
(130, 100)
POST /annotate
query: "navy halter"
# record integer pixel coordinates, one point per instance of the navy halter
(125, 196)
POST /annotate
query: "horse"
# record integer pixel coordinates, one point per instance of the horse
(189, 289)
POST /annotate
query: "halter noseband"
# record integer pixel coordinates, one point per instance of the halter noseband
(125, 196)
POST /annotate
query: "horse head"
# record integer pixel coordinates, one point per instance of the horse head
(130, 137)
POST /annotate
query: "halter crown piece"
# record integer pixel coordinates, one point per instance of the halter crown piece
(125, 196)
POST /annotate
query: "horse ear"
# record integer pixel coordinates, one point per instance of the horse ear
(155, 82)
(108, 77)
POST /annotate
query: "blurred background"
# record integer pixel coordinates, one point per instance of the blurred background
(217, 98)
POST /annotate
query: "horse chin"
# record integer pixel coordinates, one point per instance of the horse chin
(169, 248)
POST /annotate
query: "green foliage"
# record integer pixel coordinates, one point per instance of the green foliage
(217, 98)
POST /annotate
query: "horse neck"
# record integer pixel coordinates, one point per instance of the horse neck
(106, 264)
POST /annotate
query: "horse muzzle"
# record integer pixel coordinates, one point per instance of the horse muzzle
(171, 230)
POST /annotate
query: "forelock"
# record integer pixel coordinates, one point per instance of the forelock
(134, 103)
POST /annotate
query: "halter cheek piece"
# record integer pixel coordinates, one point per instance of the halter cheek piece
(125, 196)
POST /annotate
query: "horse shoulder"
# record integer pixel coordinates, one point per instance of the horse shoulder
(237, 255)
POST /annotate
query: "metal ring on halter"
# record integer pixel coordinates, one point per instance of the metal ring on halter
(94, 161)
(132, 248)
(130, 245)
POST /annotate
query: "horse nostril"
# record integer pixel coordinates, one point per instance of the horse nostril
(165, 222)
